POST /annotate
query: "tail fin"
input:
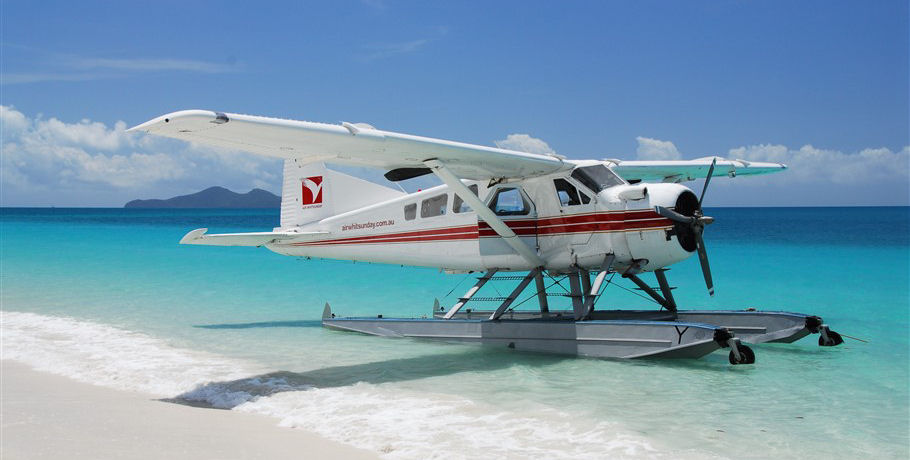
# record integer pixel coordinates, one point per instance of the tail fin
(302, 194)
(312, 192)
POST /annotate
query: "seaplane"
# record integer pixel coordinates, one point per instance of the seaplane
(543, 221)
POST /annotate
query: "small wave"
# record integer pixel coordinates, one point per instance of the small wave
(112, 357)
(407, 425)
(390, 420)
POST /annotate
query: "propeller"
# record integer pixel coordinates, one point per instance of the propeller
(697, 222)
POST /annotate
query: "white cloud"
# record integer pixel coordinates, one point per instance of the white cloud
(525, 143)
(655, 149)
(52, 162)
(376, 51)
(139, 64)
(39, 77)
(12, 121)
(385, 50)
(49, 66)
(87, 134)
(811, 164)
(807, 164)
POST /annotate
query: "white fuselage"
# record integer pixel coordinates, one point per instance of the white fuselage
(565, 221)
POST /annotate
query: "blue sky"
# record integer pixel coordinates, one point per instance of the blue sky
(822, 86)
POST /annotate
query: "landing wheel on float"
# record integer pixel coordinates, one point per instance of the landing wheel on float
(739, 353)
(746, 355)
(826, 337)
(829, 339)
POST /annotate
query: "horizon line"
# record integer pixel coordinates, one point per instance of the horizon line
(279, 208)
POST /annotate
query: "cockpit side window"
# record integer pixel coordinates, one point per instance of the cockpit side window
(597, 177)
(568, 195)
(510, 201)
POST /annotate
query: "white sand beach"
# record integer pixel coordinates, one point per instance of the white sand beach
(48, 416)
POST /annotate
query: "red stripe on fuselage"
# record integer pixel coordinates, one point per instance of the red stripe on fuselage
(415, 239)
(578, 223)
(444, 233)
(616, 221)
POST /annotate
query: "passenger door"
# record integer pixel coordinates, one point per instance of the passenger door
(515, 208)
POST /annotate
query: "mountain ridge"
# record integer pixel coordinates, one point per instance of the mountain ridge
(213, 197)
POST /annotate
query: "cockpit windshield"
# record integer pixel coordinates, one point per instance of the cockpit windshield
(597, 177)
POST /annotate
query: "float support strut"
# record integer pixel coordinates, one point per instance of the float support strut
(651, 292)
(541, 292)
(594, 290)
(578, 303)
(665, 288)
(585, 283)
(480, 282)
(515, 293)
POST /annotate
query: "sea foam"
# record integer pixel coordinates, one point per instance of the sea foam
(111, 357)
(395, 422)
(404, 424)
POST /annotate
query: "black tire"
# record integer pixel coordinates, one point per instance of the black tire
(748, 356)
(834, 339)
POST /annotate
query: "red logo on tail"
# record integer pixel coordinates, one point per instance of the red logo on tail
(312, 190)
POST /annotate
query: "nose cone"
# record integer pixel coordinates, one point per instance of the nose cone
(686, 204)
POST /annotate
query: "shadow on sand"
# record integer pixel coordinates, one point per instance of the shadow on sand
(393, 370)
(297, 323)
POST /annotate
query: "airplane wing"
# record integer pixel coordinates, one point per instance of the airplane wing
(686, 170)
(353, 144)
(257, 239)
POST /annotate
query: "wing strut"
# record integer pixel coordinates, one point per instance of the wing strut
(484, 212)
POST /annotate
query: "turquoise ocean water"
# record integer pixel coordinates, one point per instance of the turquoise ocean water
(109, 297)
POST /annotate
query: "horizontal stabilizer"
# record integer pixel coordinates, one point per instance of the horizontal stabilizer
(199, 236)
(686, 170)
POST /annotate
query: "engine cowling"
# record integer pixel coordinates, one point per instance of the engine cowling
(655, 241)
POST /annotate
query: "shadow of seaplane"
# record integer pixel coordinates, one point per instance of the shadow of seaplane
(375, 372)
(261, 324)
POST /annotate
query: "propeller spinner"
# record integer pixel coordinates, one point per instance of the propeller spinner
(696, 223)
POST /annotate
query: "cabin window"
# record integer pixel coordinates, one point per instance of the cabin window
(596, 178)
(510, 202)
(410, 211)
(569, 195)
(458, 205)
(435, 206)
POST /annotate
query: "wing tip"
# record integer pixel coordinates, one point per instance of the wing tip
(168, 117)
(193, 236)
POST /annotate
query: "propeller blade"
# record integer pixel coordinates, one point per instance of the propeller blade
(707, 181)
(705, 266)
(673, 215)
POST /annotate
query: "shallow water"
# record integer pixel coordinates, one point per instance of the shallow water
(108, 296)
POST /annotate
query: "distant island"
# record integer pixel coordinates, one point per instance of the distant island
(214, 197)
